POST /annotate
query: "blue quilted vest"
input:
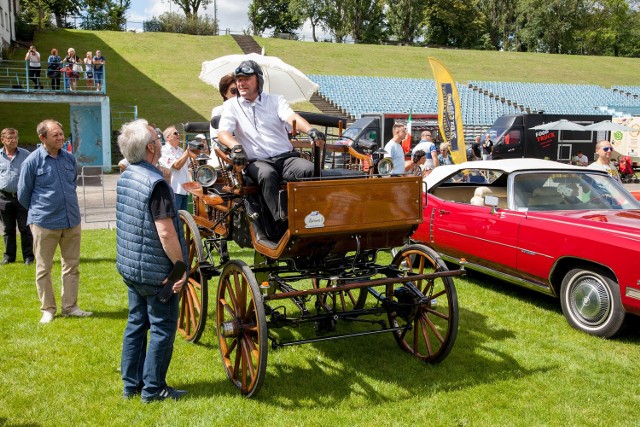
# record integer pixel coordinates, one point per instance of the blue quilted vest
(140, 259)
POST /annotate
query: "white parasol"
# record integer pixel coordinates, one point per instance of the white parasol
(562, 124)
(608, 125)
(280, 78)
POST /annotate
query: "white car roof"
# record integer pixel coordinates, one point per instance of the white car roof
(505, 165)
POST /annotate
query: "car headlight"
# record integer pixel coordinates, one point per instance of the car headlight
(206, 175)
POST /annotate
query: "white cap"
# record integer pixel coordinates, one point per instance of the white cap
(200, 136)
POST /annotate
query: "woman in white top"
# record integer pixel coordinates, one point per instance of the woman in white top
(88, 69)
(604, 150)
(34, 66)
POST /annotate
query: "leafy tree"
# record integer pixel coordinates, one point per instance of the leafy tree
(405, 18)
(456, 23)
(552, 26)
(274, 14)
(367, 21)
(41, 9)
(612, 29)
(190, 7)
(500, 18)
(106, 15)
(337, 18)
(312, 9)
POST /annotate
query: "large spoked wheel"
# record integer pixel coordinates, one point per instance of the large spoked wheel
(242, 328)
(434, 324)
(591, 302)
(193, 305)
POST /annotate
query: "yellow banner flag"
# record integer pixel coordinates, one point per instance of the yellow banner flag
(449, 114)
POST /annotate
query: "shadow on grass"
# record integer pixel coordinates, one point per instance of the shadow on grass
(630, 331)
(373, 369)
(6, 423)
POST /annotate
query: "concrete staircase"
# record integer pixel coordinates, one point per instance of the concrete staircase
(326, 107)
(247, 43)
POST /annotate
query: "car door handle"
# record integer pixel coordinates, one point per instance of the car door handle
(443, 212)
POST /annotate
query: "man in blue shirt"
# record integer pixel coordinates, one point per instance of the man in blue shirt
(11, 211)
(47, 188)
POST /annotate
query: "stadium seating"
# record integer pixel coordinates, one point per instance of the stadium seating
(481, 102)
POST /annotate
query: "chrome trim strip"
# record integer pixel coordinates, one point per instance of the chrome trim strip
(525, 251)
(538, 287)
(632, 293)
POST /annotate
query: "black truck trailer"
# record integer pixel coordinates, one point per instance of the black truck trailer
(513, 137)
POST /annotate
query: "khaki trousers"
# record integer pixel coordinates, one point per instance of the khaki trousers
(45, 242)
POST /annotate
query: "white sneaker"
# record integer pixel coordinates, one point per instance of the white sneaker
(46, 317)
(79, 313)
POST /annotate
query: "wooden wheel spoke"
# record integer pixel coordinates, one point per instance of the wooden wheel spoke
(229, 350)
(249, 315)
(437, 313)
(247, 356)
(425, 334)
(427, 322)
(195, 299)
(232, 295)
(227, 308)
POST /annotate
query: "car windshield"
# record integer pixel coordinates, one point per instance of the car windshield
(548, 191)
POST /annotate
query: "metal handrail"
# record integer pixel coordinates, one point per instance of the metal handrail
(15, 77)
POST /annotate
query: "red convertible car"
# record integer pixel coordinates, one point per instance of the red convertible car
(563, 230)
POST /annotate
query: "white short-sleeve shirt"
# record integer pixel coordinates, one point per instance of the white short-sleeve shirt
(178, 176)
(259, 126)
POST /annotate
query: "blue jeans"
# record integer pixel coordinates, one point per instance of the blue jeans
(144, 366)
(182, 202)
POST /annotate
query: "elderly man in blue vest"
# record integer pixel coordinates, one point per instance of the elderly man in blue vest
(149, 242)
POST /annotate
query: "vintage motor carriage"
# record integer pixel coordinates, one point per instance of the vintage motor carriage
(322, 271)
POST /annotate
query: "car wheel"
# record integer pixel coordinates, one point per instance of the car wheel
(591, 302)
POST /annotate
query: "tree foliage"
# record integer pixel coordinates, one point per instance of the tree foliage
(405, 19)
(190, 8)
(277, 15)
(106, 15)
(456, 23)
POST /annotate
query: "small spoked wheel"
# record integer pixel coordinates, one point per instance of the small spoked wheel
(591, 302)
(242, 328)
(340, 300)
(430, 328)
(193, 305)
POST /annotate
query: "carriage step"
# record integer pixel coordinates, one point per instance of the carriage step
(275, 344)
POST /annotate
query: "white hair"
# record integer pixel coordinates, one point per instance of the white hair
(133, 139)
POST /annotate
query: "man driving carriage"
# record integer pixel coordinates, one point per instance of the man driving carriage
(253, 129)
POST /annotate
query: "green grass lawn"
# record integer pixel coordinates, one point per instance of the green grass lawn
(158, 72)
(515, 362)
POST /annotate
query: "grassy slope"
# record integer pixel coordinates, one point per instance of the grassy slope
(159, 72)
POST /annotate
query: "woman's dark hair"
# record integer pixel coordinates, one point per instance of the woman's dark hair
(418, 155)
(224, 84)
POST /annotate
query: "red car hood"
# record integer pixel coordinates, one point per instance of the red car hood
(616, 220)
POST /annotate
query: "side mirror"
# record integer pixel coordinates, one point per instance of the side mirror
(491, 201)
